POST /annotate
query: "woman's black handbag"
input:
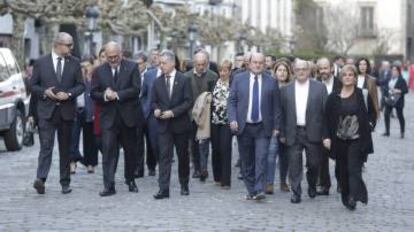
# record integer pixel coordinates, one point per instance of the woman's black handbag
(392, 99)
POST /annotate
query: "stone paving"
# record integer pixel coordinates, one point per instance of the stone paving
(389, 177)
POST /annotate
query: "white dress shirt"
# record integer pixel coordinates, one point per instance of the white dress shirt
(329, 84)
(172, 78)
(249, 109)
(361, 81)
(301, 99)
(55, 61)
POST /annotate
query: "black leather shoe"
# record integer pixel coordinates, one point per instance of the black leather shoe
(323, 192)
(338, 189)
(151, 173)
(66, 190)
(196, 174)
(132, 187)
(139, 174)
(259, 196)
(107, 192)
(351, 205)
(240, 176)
(295, 199)
(161, 195)
(203, 176)
(39, 185)
(402, 135)
(312, 192)
(185, 191)
(386, 134)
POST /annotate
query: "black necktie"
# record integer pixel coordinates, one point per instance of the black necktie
(116, 75)
(168, 84)
(59, 69)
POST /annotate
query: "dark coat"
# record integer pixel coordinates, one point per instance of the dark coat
(180, 103)
(127, 88)
(401, 85)
(44, 77)
(365, 120)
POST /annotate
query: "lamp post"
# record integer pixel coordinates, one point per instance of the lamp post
(91, 14)
(242, 41)
(192, 32)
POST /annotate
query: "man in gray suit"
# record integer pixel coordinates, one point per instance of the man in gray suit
(303, 127)
(254, 115)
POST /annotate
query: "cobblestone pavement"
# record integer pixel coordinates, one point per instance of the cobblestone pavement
(389, 177)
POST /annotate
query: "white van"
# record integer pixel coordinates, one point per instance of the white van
(14, 102)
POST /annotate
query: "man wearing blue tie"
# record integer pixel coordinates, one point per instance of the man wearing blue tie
(254, 115)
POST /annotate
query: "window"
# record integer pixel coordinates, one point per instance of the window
(367, 21)
(4, 73)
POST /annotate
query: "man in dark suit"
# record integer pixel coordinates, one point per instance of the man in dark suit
(171, 99)
(56, 82)
(116, 88)
(303, 103)
(151, 122)
(202, 80)
(332, 84)
(382, 80)
(254, 115)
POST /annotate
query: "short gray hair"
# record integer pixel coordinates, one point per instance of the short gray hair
(61, 37)
(169, 54)
(141, 55)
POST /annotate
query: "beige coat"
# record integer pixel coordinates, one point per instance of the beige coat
(201, 115)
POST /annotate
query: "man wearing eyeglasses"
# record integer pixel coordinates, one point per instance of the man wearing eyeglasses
(56, 82)
(116, 88)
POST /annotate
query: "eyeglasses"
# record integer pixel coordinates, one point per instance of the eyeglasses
(69, 45)
(115, 57)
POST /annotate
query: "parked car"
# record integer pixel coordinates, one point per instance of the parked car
(14, 101)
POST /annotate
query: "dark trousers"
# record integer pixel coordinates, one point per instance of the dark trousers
(150, 134)
(221, 139)
(400, 116)
(283, 163)
(324, 176)
(195, 150)
(119, 133)
(90, 147)
(166, 142)
(350, 162)
(253, 147)
(47, 130)
(75, 154)
(312, 151)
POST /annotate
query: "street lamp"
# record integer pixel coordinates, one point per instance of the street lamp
(91, 14)
(192, 32)
(242, 41)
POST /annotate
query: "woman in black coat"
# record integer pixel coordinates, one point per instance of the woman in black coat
(348, 122)
(395, 89)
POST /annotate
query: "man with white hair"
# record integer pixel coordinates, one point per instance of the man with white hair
(116, 88)
(303, 127)
(56, 82)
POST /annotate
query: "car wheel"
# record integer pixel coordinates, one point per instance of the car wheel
(13, 138)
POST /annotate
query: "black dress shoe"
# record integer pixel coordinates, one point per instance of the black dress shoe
(39, 185)
(386, 134)
(185, 191)
(161, 195)
(238, 163)
(139, 174)
(295, 199)
(402, 135)
(107, 192)
(151, 173)
(351, 205)
(66, 190)
(240, 176)
(259, 196)
(132, 187)
(196, 174)
(312, 192)
(338, 189)
(203, 176)
(323, 192)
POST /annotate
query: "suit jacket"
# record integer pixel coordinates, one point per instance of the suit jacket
(148, 82)
(210, 77)
(401, 84)
(238, 102)
(127, 88)
(180, 103)
(44, 76)
(315, 117)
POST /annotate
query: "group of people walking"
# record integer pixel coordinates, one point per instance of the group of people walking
(275, 108)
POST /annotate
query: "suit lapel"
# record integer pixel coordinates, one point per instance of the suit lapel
(110, 76)
(292, 96)
(175, 85)
(65, 69)
(308, 104)
(51, 67)
(164, 88)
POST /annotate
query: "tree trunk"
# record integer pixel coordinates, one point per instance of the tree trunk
(17, 43)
